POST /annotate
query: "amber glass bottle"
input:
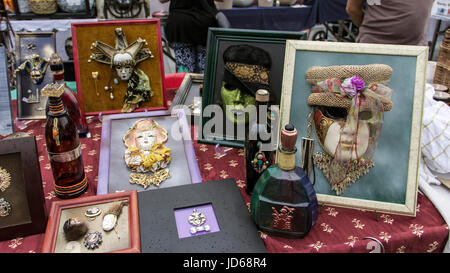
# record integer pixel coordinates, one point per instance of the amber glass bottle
(63, 146)
(257, 156)
(68, 97)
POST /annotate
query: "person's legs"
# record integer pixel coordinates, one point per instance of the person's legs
(201, 58)
(185, 56)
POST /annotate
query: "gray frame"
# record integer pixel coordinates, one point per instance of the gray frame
(188, 90)
(48, 45)
(187, 166)
(6, 114)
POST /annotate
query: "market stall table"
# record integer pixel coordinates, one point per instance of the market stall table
(337, 229)
(287, 18)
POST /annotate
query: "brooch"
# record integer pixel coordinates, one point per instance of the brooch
(5, 207)
(198, 219)
(5, 179)
(92, 213)
(92, 240)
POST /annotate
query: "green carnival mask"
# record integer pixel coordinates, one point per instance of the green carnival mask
(234, 103)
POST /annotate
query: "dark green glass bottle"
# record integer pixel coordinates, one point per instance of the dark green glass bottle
(284, 202)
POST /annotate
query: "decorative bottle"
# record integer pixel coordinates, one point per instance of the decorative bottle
(63, 146)
(284, 202)
(68, 97)
(258, 144)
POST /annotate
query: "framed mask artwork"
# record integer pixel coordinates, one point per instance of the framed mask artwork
(359, 106)
(107, 223)
(119, 66)
(33, 51)
(22, 203)
(146, 151)
(6, 120)
(239, 62)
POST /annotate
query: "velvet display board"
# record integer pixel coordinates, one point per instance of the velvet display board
(30, 103)
(84, 34)
(159, 225)
(124, 238)
(391, 184)
(21, 186)
(114, 175)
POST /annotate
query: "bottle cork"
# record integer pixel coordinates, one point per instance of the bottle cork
(262, 95)
(287, 149)
(289, 137)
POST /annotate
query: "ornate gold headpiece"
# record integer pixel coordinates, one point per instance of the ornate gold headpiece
(106, 52)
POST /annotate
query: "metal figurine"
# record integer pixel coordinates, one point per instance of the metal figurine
(35, 66)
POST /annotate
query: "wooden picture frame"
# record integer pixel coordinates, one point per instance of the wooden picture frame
(85, 34)
(220, 39)
(189, 95)
(391, 184)
(6, 120)
(30, 103)
(54, 236)
(113, 174)
(19, 159)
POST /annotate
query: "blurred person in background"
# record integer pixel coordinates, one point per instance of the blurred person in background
(187, 31)
(391, 21)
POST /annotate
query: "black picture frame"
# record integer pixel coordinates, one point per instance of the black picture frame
(159, 229)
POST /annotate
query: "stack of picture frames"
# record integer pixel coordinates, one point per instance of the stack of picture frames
(119, 55)
(378, 171)
(103, 49)
(269, 47)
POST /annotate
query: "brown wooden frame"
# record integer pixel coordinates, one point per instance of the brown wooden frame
(133, 219)
(26, 146)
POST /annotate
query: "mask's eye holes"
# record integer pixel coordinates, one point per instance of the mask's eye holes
(229, 87)
(333, 112)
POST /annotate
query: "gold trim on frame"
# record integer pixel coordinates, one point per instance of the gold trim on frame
(421, 54)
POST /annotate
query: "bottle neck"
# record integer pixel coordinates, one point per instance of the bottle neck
(58, 76)
(56, 106)
(286, 159)
(261, 115)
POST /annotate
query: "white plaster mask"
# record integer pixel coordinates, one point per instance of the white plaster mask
(332, 130)
(347, 149)
(124, 65)
(145, 140)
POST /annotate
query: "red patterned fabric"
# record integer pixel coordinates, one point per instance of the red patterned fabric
(336, 230)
